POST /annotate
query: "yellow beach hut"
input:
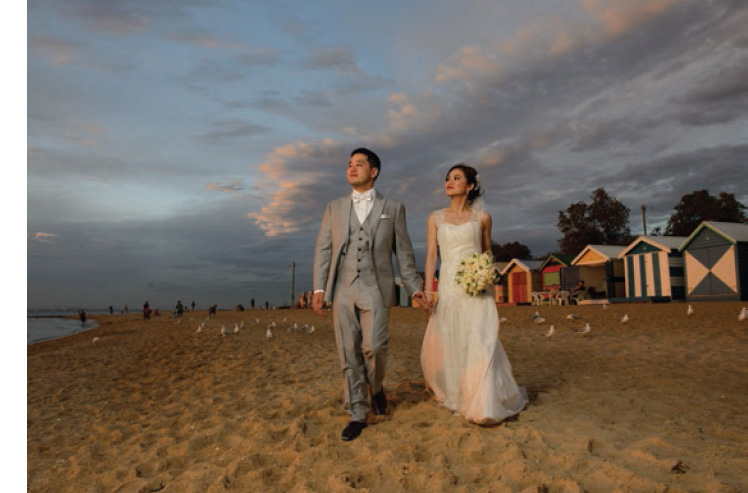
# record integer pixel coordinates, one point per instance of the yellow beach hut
(602, 272)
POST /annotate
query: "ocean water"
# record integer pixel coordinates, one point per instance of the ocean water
(43, 325)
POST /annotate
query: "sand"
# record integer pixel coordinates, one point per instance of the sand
(657, 404)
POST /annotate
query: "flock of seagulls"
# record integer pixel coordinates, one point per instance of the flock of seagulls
(239, 327)
(537, 319)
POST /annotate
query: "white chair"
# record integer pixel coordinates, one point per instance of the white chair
(536, 298)
(562, 297)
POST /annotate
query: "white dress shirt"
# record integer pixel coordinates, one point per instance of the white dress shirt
(362, 203)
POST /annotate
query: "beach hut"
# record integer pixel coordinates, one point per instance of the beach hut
(557, 272)
(501, 294)
(522, 277)
(716, 261)
(654, 268)
(602, 271)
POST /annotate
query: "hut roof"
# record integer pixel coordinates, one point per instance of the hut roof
(606, 251)
(732, 232)
(561, 258)
(663, 242)
(524, 264)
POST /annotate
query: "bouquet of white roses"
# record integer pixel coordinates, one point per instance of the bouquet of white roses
(477, 273)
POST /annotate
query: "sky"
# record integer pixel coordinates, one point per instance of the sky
(186, 150)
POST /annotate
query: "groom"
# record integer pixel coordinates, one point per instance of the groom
(358, 236)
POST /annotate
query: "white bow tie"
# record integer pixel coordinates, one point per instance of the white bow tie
(359, 197)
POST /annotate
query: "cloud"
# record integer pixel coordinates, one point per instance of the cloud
(719, 97)
(58, 51)
(205, 40)
(232, 186)
(231, 129)
(619, 17)
(299, 180)
(42, 237)
(336, 58)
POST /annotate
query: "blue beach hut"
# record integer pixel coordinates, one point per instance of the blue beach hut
(654, 268)
(716, 260)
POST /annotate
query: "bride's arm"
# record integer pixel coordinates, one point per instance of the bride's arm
(430, 267)
(485, 232)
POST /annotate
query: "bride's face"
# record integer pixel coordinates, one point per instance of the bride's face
(456, 184)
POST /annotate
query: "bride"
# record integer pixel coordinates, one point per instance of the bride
(463, 361)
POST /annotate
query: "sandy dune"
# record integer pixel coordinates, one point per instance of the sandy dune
(656, 404)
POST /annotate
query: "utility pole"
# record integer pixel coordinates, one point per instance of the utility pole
(293, 279)
(644, 219)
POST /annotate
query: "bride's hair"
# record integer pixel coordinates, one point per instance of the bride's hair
(471, 175)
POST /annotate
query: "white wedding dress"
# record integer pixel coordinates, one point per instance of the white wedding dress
(463, 361)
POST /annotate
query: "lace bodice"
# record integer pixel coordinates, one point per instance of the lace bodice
(457, 240)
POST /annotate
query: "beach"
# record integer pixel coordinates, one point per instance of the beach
(655, 404)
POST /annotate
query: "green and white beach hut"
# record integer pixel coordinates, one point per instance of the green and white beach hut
(716, 259)
(654, 268)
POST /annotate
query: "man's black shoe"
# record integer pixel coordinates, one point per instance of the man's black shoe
(352, 430)
(379, 403)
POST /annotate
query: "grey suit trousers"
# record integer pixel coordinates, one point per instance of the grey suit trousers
(360, 317)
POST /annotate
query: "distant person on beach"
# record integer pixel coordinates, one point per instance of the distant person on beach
(252, 303)
(124, 310)
(179, 309)
(146, 311)
(111, 310)
(359, 235)
(82, 316)
(193, 305)
(212, 310)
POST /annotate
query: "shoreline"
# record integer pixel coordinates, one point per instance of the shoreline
(654, 404)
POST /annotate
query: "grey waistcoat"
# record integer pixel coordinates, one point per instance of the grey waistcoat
(357, 262)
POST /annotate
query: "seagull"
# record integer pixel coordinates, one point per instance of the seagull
(625, 318)
(269, 334)
(285, 319)
(272, 324)
(257, 320)
(311, 329)
(538, 320)
(224, 332)
(534, 315)
(236, 328)
(242, 325)
(551, 331)
(293, 328)
(200, 329)
(502, 320)
(689, 312)
(605, 307)
(304, 327)
(585, 329)
(572, 316)
(96, 339)
(743, 314)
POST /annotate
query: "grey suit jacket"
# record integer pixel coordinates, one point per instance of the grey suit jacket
(389, 237)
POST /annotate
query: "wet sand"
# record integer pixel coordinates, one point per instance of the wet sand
(656, 404)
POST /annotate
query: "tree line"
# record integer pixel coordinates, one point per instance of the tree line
(605, 221)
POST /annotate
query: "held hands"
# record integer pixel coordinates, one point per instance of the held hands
(318, 303)
(423, 301)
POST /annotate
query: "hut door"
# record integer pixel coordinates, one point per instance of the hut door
(519, 287)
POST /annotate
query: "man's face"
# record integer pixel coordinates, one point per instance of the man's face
(360, 173)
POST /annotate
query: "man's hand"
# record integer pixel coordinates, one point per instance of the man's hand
(318, 302)
(420, 298)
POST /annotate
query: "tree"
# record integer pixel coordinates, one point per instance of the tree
(699, 206)
(602, 222)
(508, 251)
